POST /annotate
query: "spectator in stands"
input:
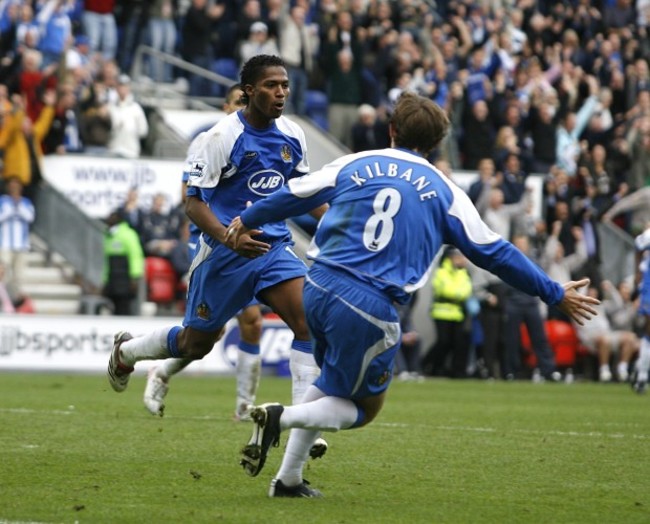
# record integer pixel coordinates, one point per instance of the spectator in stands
(297, 44)
(558, 264)
(478, 134)
(33, 78)
(543, 121)
(196, 40)
(160, 229)
(342, 64)
(604, 342)
(561, 212)
(124, 265)
(638, 139)
(257, 43)
(162, 37)
(638, 79)
(490, 291)
(95, 118)
(100, 26)
(619, 305)
(21, 140)
(77, 57)
(486, 173)
(16, 217)
(505, 144)
(496, 213)
(586, 219)
(571, 127)
(370, 131)
(56, 31)
(179, 256)
(514, 178)
(131, 20)
(128, 122)
(601, 125)
(596, 180)
(109, 74)
(521, 308)
(248, 12)
(64, 135)
(27, 30)
(132, 211)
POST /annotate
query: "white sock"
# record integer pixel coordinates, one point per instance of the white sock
(643, 362)
(325, 414)
(298, 446)
(249, 369)
(152, 346)
(303, 373)
(296, 455)
(171, 366)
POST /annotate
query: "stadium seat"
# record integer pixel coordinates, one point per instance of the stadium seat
(227, 67)
(563, 340)
(162, 280)
(316, 103)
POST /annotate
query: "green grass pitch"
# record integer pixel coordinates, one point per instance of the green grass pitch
(441, 451)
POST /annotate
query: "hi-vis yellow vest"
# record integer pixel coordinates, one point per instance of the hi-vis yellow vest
(451, 288)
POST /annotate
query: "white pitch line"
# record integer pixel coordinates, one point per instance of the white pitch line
(469, 429)
(26, 411)
(21, 522)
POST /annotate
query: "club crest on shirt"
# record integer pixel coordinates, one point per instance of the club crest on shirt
(383, 378)
(203, 311)
(285, 153)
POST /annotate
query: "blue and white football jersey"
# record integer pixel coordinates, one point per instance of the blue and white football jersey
(642, 243)
(195, 232)
(390, 212)
(228, 167)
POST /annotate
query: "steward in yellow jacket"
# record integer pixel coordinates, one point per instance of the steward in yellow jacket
(452, 286)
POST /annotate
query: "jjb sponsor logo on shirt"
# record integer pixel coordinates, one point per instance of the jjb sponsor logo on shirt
(266, 182)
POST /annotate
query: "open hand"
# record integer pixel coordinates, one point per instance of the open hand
(577, 306)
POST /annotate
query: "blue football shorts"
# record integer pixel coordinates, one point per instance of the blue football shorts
(355, 333)
(222, 283)
(644, 298)
(193, 245)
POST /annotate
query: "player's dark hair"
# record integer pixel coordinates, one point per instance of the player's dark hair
(418, 123)
(254, 68)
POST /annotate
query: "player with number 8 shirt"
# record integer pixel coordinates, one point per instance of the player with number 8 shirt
(389, 213)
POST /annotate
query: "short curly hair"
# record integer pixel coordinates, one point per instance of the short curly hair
(254, 68)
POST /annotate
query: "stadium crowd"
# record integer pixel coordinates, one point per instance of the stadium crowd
(557, 89)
